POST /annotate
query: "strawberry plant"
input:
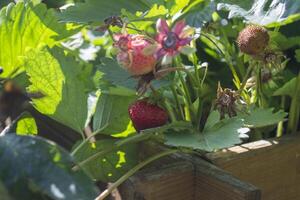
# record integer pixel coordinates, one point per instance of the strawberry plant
(100, 77)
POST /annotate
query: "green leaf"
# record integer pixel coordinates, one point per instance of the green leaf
(32, 168)
(261, 117)
(187, 50)
(222, 135)
(178, 6)
(213, 118)
(199, 14)
(58, 77)
(287, 89)
(24, 26)
(263, 12)
(297, 56)
(112, 114)
(4, 193)
(98, 10)
(284, 42)
(113, 73)
(26, 125)
(111, 166)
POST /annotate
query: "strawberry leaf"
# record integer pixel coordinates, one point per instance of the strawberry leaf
(26, 125)
(222, 134)
(111, 166)
(58, 78)
(112, 115)
(261, 117)
(42, 169)
(24, 26)
(116, 75)
(97, 11)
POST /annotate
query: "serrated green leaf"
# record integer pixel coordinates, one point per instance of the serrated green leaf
(58, 77)
(24, 26)
(176, 126)
(32, 168)
(113, 165)
(287, 89)
(113, 73)
(222, 135)
(26, 125)
(263, 12)
(98, 10)
(112, 114)
(261, 117)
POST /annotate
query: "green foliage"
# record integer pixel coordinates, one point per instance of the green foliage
(57, 77)
(263, 12)
(4, 193)
(287, 89)
(97, 11)
(33, 168)
(26, 125)
(115, 75)
(24, 26)
(216, 135)
(111, 166)
(261, 117)
(112, 115)
(199, 14)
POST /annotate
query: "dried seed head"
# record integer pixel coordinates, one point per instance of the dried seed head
(253, 40)
(226, 102)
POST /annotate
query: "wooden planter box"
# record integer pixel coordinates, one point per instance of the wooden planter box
(266, 169)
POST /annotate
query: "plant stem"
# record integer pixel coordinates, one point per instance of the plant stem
(111, 188)
(279, 131)
(116, 146)
(170, 110)
(294, 114)
(87, 139)
(187, 96)
(173, 89)
(259, 90)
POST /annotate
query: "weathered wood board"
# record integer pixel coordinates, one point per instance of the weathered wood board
(184, 177)
(271, 165)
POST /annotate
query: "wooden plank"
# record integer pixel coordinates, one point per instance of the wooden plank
(213, 183)
(186, 177)
(173, 181)
(272, 165)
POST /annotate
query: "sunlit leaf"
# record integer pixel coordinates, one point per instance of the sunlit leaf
(26, 125)
(23, 26)
(111, 166)
(112, 114)
(58, 78)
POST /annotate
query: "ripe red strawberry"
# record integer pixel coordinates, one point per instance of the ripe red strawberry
(145, 115)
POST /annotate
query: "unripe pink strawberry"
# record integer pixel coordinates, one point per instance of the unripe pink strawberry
(131, 55)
